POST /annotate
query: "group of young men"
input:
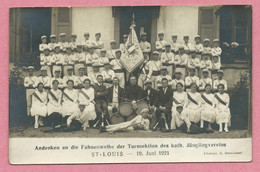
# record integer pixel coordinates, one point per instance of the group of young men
(85, 82)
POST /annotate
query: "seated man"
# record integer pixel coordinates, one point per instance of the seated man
(182, 119)
(150, 94)
(115, 94)
(75, 122)
(140, 122)
(100, 99)
(163, 112)
(79, 119)
(133, 92)
(184, 124)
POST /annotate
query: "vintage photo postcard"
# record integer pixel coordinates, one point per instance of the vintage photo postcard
(130, 84)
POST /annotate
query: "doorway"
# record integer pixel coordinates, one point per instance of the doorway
(28, 25)
(145, 18)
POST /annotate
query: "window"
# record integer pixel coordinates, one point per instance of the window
(235, 26)
(63, 14)
(207, 16)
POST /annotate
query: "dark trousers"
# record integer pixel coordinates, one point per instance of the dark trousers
(55, 119)
(101, 107)
(75, 125)
(194, 129)
(168, 117)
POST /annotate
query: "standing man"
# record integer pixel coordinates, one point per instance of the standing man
(164, 74)
(123, 45)
(57, 76)
(144, 69)
(43, 45)
(198, 46)
(79, 59)
(118, 68)
(81, 77)
(98, 45)
(30, 83)
(160, 43)
(115, 94)
(63, 43)
(167, 59)
(205, 80)
(91, 58)
(86, 42)
(175, 45)
(181, 60)
(192, 78)
(53, 43)
(219, 80)
(68, 59)
(187, 45)
(154, 68)
(108, 74)
(69, 76)
(57, 59)
(46, 80)
(194, 61)
(73, 43)
(111, 53)
(46, 60)
(177, 80)
(100, 98)
(163, 112)
(144, 45)
(206, 45)
(95, 72)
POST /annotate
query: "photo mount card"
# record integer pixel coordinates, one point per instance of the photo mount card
(124, 133)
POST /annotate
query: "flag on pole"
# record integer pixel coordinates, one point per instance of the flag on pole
(132, 55)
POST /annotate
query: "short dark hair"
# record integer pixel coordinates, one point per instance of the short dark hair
(40, 84)
(55, 81)
(99, 76)
(87, 80)
(207, 85)
(179, 83)
(221, 85)
(165, 79)
(70, 81)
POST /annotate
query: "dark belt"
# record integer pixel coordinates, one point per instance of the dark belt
(79, 63)
(166, 64)
(89, 65)
(198, 52)
(181, 66)
(119, 70)
(156, 73)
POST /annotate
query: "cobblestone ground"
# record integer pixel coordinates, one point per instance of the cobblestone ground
(94, 133)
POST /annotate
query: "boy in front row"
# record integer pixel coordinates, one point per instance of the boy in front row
(79, 119)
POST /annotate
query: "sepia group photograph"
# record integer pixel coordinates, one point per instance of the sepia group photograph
(130, 72)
